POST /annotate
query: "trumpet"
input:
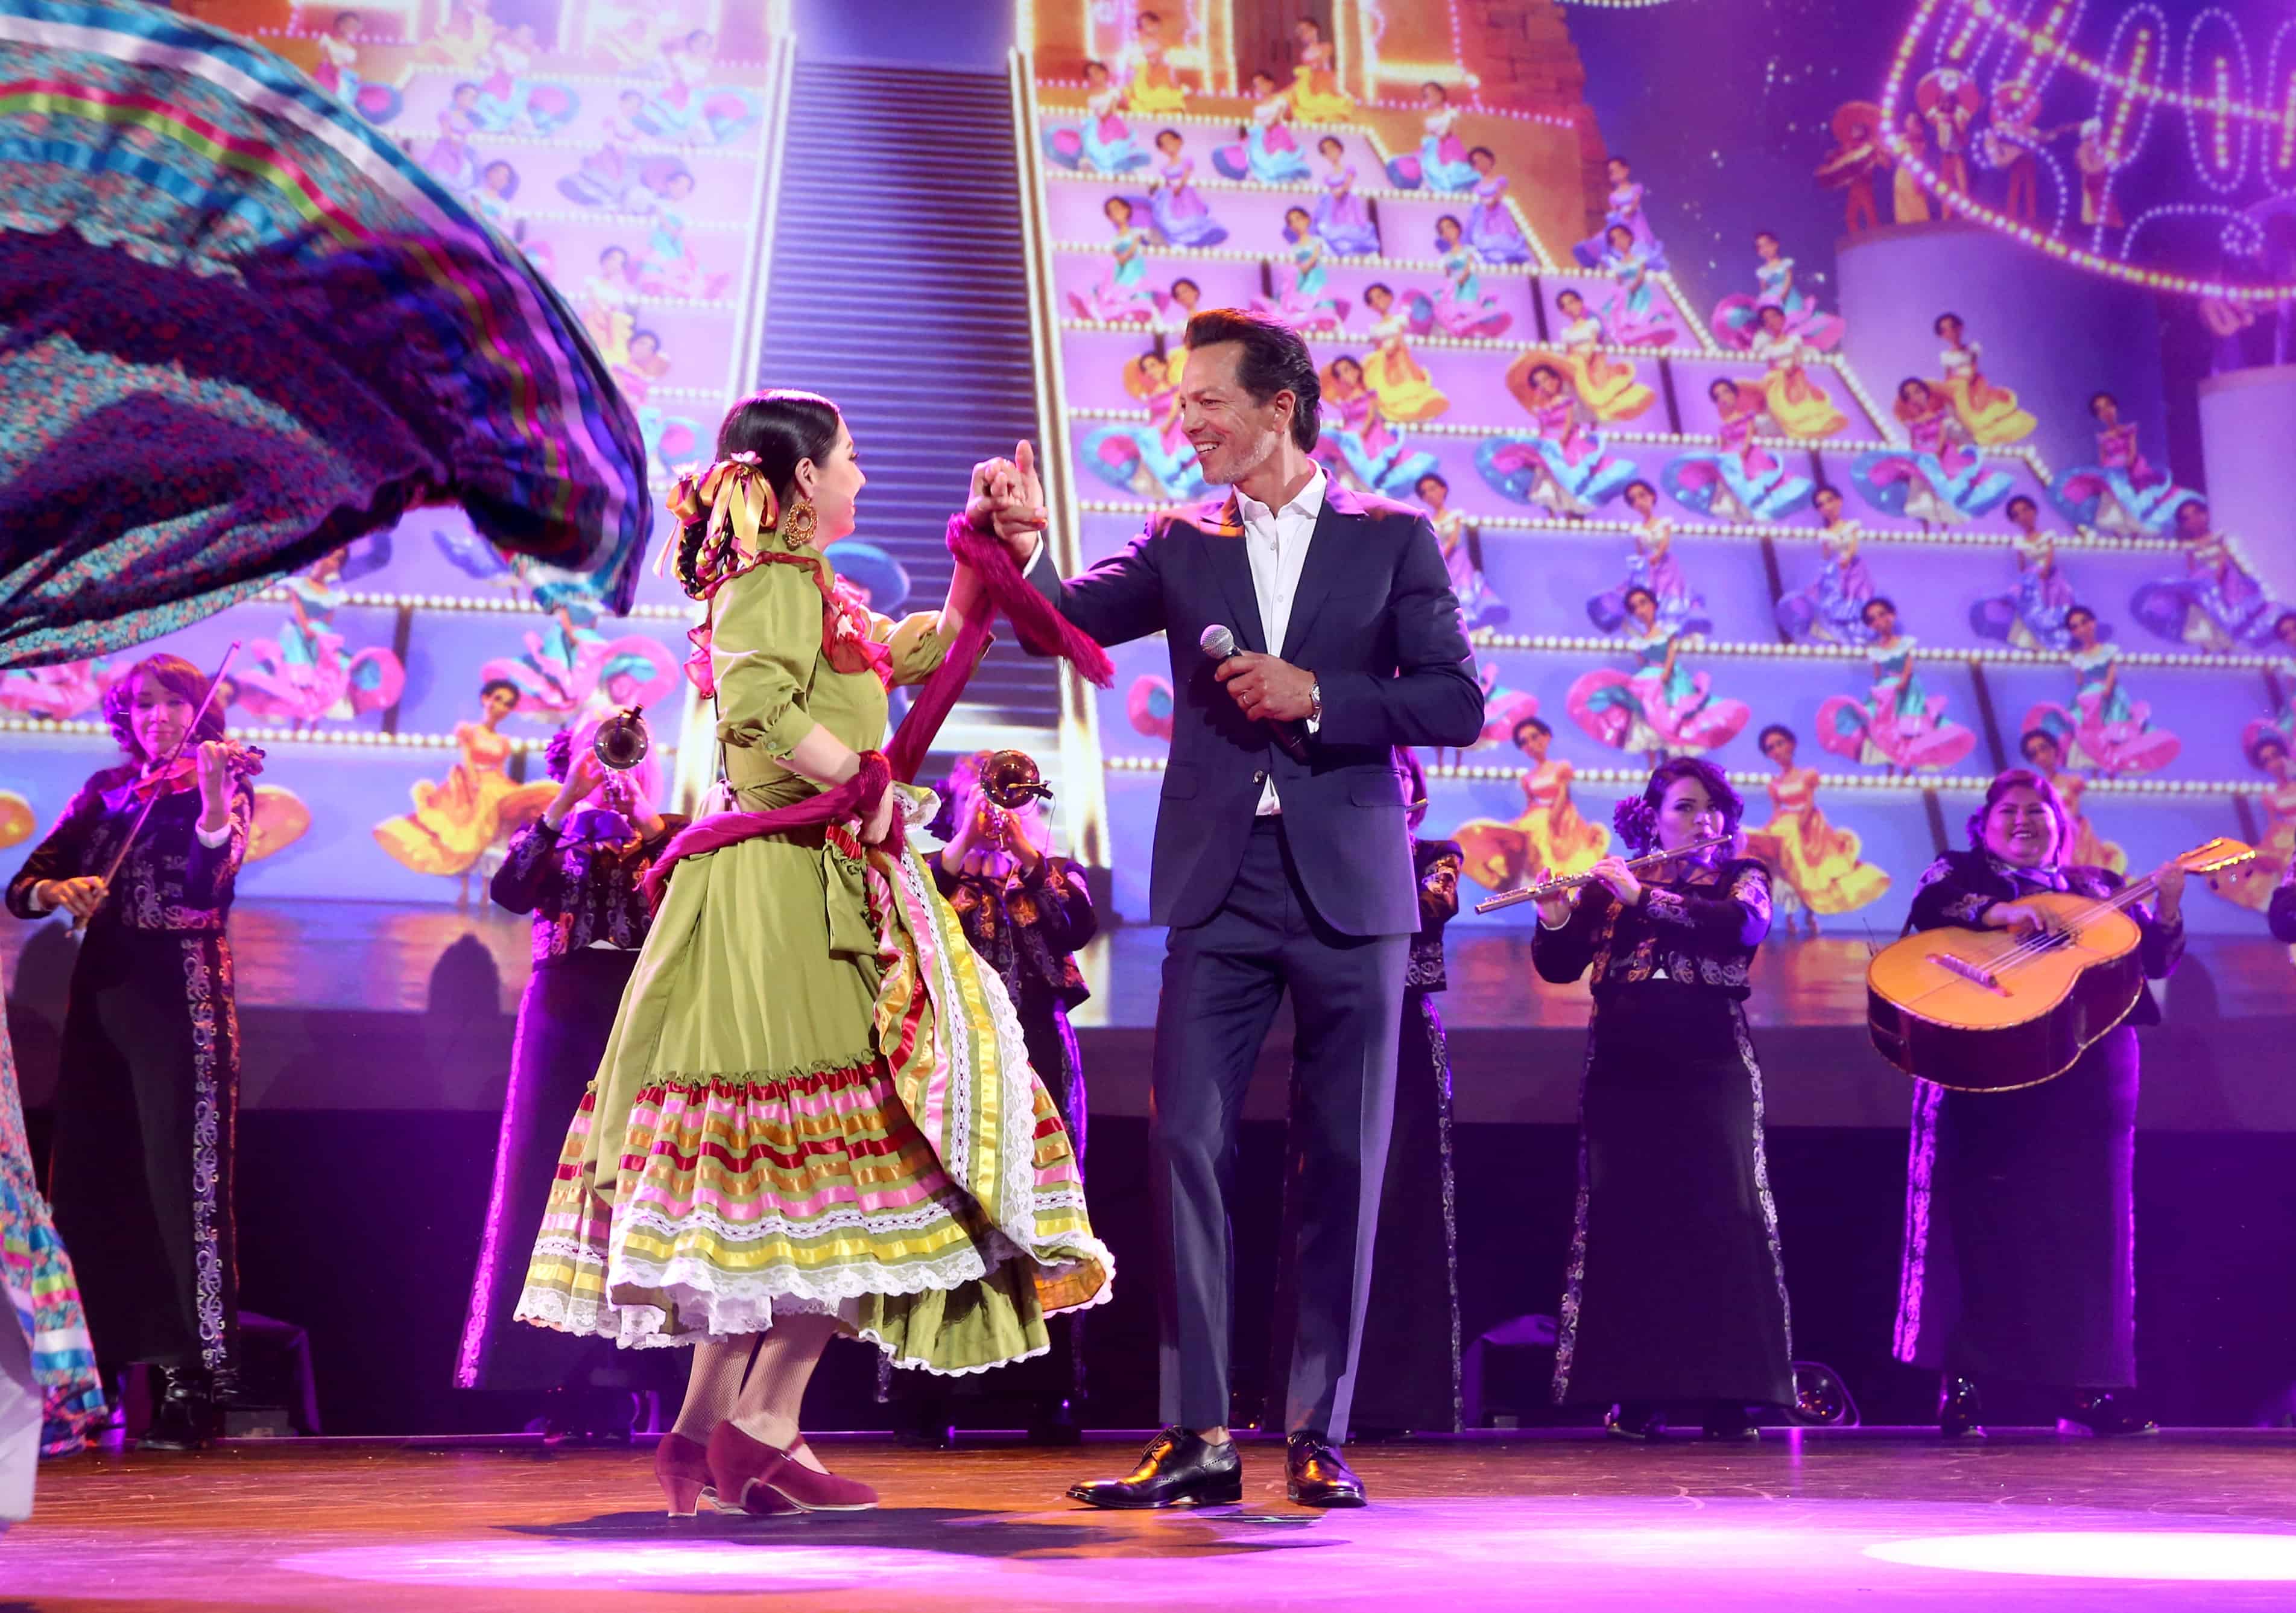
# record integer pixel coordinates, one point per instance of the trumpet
(1507, 899)
(622, 740)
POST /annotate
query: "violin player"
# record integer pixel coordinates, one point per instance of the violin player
(2019, 1239)
(146, 1113)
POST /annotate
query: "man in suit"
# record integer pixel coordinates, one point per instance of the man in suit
(1282, 862)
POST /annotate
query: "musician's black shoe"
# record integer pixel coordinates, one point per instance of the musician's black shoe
(1729, 1422)
(184, 1419)
(1177, 1469)
(1315, 1475)
(1635, 1420)
(1959, 1414)
(2096, 1411)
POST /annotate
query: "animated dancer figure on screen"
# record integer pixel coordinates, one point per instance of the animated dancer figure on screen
(1633, 314)
(2033, 618)
(655, 1235)
(1898, 724)
(1151, 88)
(1831, 609)
(2121, 494)
(1491, 228)
(2106, 730)
(1608, 386)
(1933, 479)
(1655, 566)
(1103, 143)
(1855, 164)
(1153, 461)
(1122, 293)
(1550, 834)
(1281, 862)
(304, 675)
(1405, 391)
(1817, 867)
(1563, 465)
(1341, 218)
(1662, 709)
(2256, 885)
(1307, 302)
(1674, 1297)
(1736, 481)
(1440, 163)
(1357, 445)
(1738, 317)
(2217, 604)
(1624, 210)
(1461, 307)
(1479, 604)
(1269, 152)
(1317, 97)
(146, 1132)
(1799, 405)
(577, 871)
(1988, 413)
(1181, 214)
(457, 820)
(2020, 1242)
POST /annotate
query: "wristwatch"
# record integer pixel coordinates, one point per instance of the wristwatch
(1315, 703)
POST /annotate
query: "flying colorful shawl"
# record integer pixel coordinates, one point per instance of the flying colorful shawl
(240, 328)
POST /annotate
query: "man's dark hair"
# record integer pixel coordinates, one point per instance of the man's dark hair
(1275, 360)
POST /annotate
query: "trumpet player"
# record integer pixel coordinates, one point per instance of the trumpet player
(1675, 1297)
(1027, 913)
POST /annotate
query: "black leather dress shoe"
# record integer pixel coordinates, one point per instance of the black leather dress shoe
(1960, 1415)
(1177, 1469)
(2097, 1412)
(1315, 1475)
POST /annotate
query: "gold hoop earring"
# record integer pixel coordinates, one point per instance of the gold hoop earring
(798, 523)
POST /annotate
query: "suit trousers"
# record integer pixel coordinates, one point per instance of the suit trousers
(1223, 982)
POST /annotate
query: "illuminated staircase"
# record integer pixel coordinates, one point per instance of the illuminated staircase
(897, 289)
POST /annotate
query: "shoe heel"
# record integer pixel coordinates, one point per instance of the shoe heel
(684, 1495)
(1228, 1492)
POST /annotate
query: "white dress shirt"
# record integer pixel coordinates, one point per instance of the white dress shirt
(1276, 542)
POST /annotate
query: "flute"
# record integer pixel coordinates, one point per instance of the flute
(1507, 899)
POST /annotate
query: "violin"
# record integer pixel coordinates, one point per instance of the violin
(173, 778)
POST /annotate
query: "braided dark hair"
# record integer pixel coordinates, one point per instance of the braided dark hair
(780, 428)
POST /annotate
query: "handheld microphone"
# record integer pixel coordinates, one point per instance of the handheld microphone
(1219, 643)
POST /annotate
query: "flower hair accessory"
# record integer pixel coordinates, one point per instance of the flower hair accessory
(736, 500)
(1637, 821)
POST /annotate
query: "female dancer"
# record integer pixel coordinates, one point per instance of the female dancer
(1317, 97)
(1934, 479)
(1832, 610)
(304, 675)
(2106, 730)
(576, 870)
(1268, 152)
(1461, 309)
(1662, 708)
(1608, 386)
(1675, 1297)
(1820, 868)
(1122, 292)
(2256, 885)
(1737, 318)
(1440, 163)
(1479, 605)
(1624, 211)
(455, 822)
(1653, 565)
(1797, 403)
(1898, 724)
(2121, 493)
(1988, 413)
(745, 1174)
(1358, 446)
(1027, 913)
(1633, 313)
(1341, 220)
(2019, 1220)
(1103, 143)
(1561, 466)
(1156, 460)
(1307, 301)
(1551, 834)
(1151, 88)
(2217, 604)
(2033, 618)
(1181, 214)
(1406, 393)
(146, 1126)
(1737, 480)
(1491, 228)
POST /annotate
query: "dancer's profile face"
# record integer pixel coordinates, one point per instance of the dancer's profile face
(833, 483)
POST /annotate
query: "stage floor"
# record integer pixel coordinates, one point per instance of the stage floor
(1870, 1518)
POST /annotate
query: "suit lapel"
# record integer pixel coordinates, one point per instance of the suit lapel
(1327, 552)
(1231, 563)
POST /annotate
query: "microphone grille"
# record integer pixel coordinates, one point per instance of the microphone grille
(1217, 642)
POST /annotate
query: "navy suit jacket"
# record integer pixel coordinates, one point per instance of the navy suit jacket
(1373, 618)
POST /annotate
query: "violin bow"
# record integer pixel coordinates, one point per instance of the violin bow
(215, 682)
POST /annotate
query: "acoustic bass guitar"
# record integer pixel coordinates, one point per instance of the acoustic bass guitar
(1992, 1011)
